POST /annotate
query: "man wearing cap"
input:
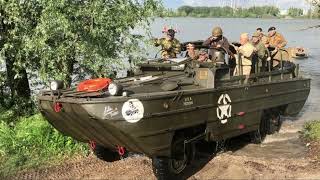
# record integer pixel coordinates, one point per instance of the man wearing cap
(245, 52)
(192, 53)
(261, 53)
(276, 39)
(170, 45)
(217, 40)
(203, 56)
(263, 38)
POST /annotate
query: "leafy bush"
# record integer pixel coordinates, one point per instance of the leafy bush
(312, 130)
(33, 142)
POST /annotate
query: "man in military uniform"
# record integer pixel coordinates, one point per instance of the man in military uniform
(263, 38)
(192, 53)
(217, 40)
(261, 53)
(203, 56)
(276, 39)
(170, 45)
(245, 52)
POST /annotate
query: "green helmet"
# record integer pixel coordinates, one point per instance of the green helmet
(217, 31)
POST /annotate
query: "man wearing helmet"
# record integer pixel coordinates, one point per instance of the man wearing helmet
(170, 45)
(217, 40)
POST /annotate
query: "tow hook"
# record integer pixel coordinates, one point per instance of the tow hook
(121, 150)
(57, 107)
(92, 145)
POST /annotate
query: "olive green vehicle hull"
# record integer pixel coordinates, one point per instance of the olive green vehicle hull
(221, 113)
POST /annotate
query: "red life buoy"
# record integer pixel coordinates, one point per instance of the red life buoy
(93, 85)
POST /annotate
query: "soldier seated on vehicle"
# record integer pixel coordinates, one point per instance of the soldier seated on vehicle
(191, 52)
(170, 45)
(203, 56)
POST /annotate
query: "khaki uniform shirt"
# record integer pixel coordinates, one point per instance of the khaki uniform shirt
(170, 48)
(246, 52)
(277, 40)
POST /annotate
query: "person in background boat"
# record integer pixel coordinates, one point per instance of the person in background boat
(245, 51)
(170, 45)
(263, 38)
(203, 56)
(276, 39)
(192, 53)
(217, 40)
(260, 56)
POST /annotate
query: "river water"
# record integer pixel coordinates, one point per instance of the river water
(286, 142)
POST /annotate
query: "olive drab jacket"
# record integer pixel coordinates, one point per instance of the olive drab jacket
(223, 42)
(261, 51)
(265, 39)
(261, 54)
(277, 40)
(170, 48)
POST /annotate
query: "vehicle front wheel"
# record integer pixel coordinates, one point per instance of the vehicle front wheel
(106, 154)
(174, 168)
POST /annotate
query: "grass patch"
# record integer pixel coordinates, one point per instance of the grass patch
(32, 142)
(312, 130)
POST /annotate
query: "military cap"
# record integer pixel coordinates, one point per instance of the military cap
(190, 46)
(256, 34)
(203, 51)
(271, 29)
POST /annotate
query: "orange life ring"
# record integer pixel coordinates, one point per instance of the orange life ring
(93, 85)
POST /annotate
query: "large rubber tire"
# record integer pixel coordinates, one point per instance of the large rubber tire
(270, 123)
(274, 123)
(258, 136)
(173, 168)
(106, 154)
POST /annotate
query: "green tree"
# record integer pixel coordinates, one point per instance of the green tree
(295, 12)
(94, 35)
(228, 11)
(18, 20)
(315, 12)
(66, 38)
(187, 10)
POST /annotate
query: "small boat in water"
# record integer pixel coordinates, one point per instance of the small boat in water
(298, 52)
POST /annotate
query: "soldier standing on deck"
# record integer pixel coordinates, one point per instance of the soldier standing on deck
(263, 38)
(245, 52)
(276, 39)
(170, 45)
(261, 53)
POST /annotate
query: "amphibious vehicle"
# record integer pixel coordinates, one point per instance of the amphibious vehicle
(167, 106)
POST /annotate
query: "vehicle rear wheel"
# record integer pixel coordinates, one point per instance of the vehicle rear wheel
(173, 168)
(106, 154)
(270, 123)
(274, 123)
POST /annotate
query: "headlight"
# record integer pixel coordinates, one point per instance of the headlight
(115, 89)
(55, 85)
